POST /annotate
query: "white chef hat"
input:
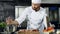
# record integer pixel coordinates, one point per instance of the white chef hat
(36, 1)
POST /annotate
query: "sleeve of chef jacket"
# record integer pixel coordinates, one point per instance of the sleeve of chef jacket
(45, 19)
(22, 17)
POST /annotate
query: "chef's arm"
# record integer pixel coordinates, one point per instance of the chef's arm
(22, 17)
(45, 21)
(19, 20)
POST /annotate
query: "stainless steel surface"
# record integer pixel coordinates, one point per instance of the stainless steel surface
(11, 28)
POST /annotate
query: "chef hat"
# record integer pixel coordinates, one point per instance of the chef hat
(36, 1)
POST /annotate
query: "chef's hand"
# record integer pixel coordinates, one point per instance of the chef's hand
(9, 20)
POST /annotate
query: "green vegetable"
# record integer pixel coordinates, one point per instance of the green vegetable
(2, 24)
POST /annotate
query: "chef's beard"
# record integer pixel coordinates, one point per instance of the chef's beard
(35, 9)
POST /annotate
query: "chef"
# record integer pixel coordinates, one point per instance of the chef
(36, 17)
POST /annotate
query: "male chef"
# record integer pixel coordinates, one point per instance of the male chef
(36, 17)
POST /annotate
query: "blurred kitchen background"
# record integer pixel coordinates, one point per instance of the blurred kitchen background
(14, 8)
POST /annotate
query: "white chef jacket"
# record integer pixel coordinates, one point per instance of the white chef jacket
(35, 20)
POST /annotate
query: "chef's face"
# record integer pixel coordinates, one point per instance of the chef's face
(35, 7)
